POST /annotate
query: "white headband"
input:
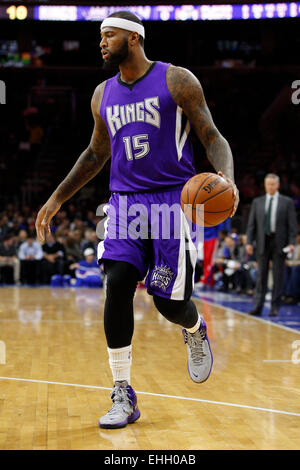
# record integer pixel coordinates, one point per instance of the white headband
(124, 24)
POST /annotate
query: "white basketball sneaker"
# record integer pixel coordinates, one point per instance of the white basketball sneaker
(200, 358)
(124, 409)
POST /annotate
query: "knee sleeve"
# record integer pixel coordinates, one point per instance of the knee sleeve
(121, 276)
(122, 280)
(182, 312)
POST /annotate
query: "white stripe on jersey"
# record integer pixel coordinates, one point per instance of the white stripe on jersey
(180, 141)
(178, 290)
(101, 247)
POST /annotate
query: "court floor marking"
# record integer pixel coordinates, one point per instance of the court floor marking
(243, 314)
(199, 400)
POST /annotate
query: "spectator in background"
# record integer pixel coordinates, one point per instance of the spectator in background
(78, 235)
(62, 230)
(77, 225)
(72, 247)
(292, 278)
(89, 241)
(272, 225)
(60, 238)
(218, 266)
(9, 259)
(236, 266)
(245, 274)
(54, 259)
(95, 240)
(4, 228)
(91, 220)
(210, 247)
(221, 245)
(88, 273)
(18, 223)
(229, 263)
(21, 238)
(60, 222)
(30, 254)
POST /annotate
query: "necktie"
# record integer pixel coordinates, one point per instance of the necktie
(268, 218)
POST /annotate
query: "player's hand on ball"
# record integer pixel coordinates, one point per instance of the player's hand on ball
(235, 193)
(46, 213)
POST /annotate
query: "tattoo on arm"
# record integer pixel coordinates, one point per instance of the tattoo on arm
(92, 159)
(187, 93)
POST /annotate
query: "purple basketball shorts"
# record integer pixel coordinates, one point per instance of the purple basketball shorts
(150, 231)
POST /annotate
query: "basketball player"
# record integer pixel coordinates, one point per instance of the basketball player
(142, 119)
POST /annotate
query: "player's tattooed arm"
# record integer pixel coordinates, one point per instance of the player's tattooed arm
(187, 92)
(86, 167)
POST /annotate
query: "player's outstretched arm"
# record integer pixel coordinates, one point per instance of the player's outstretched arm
(187, 92)
(87, 166)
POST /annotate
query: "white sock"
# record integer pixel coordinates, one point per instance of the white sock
(120, 363)
(195, 327)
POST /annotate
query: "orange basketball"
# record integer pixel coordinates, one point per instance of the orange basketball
(211, 190)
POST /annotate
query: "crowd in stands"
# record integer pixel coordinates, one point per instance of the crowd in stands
(69, 254)
(69, 251)
(224, 263)
(232, 269)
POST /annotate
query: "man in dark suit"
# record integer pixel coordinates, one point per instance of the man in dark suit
(272, 225)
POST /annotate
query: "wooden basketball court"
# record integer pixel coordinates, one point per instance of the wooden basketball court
(55, 380)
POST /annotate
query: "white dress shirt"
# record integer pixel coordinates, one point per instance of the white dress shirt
(274, 209)
(31, 250)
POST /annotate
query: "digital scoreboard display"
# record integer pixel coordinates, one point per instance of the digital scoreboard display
(16, 12)
(153, 12)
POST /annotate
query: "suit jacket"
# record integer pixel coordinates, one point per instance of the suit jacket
(286, 223)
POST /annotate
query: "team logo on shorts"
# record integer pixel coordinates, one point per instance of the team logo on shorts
(161, 277)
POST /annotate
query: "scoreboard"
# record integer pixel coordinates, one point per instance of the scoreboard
(152, 12)
(19, 12)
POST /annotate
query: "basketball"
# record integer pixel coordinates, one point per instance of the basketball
(211, 190)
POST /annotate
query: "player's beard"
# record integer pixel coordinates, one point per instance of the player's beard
(116, 58)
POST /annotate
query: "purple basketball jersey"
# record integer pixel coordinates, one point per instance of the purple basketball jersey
(150, 138)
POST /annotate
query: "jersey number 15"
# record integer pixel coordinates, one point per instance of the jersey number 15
(136, 146)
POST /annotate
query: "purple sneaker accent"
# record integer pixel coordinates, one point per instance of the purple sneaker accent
(124, 410)
(200, 358)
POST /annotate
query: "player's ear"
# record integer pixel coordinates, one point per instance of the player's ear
(133, 38)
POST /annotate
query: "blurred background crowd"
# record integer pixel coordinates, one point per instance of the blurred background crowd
(69, 252)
